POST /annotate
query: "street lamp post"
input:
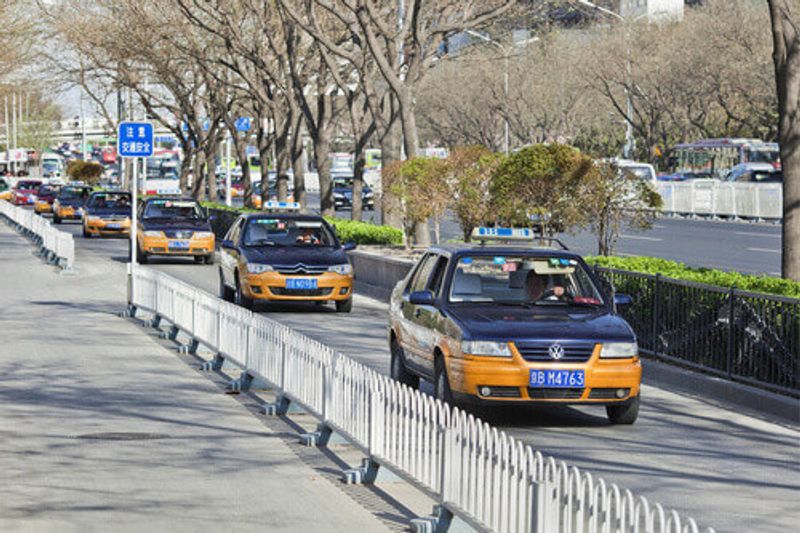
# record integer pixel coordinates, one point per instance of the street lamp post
(506, 51)
(629, 140)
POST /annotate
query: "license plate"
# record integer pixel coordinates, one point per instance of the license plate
(114, 226)
(301, 283)
(557, 379)
(179, 245)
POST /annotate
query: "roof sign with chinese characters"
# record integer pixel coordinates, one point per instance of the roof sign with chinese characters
(135, 139)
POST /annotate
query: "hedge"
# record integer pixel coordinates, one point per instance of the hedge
(347, 230)
(720, 278)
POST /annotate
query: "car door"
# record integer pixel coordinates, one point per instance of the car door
(427, 319)
(229, 257)
(413, 336)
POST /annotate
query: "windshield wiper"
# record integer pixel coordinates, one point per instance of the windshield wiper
(261, 242)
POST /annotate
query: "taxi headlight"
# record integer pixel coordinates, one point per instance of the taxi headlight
(486, 348)
(203, 234)
(619, 350)
(153, 234)
(92, 218)
(257, 268)
(343, 269)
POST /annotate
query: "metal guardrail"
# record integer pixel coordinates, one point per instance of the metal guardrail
(714, 198)
(476, 472)
(57, 246)
(748, 337)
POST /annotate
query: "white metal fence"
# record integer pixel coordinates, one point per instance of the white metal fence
(59, 246)
(477, 472)
(714, 198)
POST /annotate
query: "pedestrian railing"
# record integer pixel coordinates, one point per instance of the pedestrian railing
(748, 337)
(476, 472)
(57, 246)
(714, 198)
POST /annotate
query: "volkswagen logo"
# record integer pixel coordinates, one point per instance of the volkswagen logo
(556, 351)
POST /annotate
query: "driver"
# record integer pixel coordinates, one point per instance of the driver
(307, 236)
(536, 287)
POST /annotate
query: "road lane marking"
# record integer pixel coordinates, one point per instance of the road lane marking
(753, 234)
(642, 238)
(766, 250)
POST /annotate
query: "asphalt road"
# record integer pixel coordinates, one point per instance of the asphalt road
(728, 470)
(736, 246)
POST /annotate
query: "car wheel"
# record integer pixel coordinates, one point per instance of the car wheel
(209, 259)
(238, 296)
(56, 220)
(141, 256)
(86, 234)
(441, 385)
(344, 306)
(398, 370)
(225, 292)
(625, 413)
(198, 259)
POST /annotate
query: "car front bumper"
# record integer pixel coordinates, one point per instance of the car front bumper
(67, 213)
(107, 226)
(42, 207)
(166, 246)
(271, 286)
(508, 380)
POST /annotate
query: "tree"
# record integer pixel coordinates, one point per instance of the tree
(88, 172)
(541, 180)
(471, 169)
(786, 56)
(613, 200)
(421, 185)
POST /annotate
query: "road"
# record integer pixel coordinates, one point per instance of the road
(736, 246)
(726, 469)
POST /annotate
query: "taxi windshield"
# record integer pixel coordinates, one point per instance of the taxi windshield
(73, 193)
(523, 281)
(283, 232)
(109, 200)
(26, 185)
(172, 209)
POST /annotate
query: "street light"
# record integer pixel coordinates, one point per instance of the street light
(506, 50)
(629, 141)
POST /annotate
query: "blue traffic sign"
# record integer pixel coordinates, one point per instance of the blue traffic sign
(135, 139)
(243, 123)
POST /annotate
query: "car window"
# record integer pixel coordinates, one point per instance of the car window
(73, 193)
(420, 280)
(233, 233)
(435, 283)
(110, 200)
(287, 232)
(172, 209)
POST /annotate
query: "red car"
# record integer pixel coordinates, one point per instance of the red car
(25, 192)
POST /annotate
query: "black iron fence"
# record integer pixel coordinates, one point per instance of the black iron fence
(743, 336)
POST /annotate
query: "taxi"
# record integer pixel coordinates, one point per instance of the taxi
(5, 190)
(69, 202)
(256, 201)
(107, 213)
(24, 192)
(45, 197)
(285, 257)
(512, 323)
(174, 226)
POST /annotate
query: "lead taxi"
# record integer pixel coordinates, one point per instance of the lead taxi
(284, 256)
(107, 213)
(509, 322)
(174, 226)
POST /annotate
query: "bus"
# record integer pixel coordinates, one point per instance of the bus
(714, 158)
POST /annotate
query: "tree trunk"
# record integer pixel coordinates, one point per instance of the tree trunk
(422, 233)
(322, 160)
(186, 164)
(786, 56)
(198, 185)
(296, 155)
(359, 162)
(211, 175)
(282, 159)
(391, 209)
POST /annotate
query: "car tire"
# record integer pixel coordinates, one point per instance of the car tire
(225, 292)
(209, 259)
(198, 259)
(86, 234)
(344, 306)
(441, 384)
(238, 296)
(141, 256)
(399, 371)
(56, 219)
(625, 413)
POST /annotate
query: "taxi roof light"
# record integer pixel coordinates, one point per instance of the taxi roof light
(501, 234)
(282, 206)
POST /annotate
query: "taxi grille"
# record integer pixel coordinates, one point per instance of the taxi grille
(554, 394)
(179, 234)
(283, 291)
(300, 269)
(539, 351)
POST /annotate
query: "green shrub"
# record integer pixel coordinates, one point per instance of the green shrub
(720, 278)
(365, 233)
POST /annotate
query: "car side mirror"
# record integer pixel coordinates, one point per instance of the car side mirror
(421, 298)
(227, 244)
(349, 246)
(622, 300)
(211, 218)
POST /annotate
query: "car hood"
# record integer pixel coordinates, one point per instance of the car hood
(176, 224)
(547, 323)
(293, 255)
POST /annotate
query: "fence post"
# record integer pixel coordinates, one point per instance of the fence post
(731, 331)
(656, 310)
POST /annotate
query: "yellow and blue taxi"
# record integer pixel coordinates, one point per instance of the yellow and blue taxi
(176, 227)
(70, 201)
(45, 197)
(507, 321)
(107, 214)
(285, 256)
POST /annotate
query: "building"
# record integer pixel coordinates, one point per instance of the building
(653, 10)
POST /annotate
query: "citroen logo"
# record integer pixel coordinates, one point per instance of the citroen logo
(556, 351)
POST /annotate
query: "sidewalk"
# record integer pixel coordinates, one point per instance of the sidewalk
(101, 428)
